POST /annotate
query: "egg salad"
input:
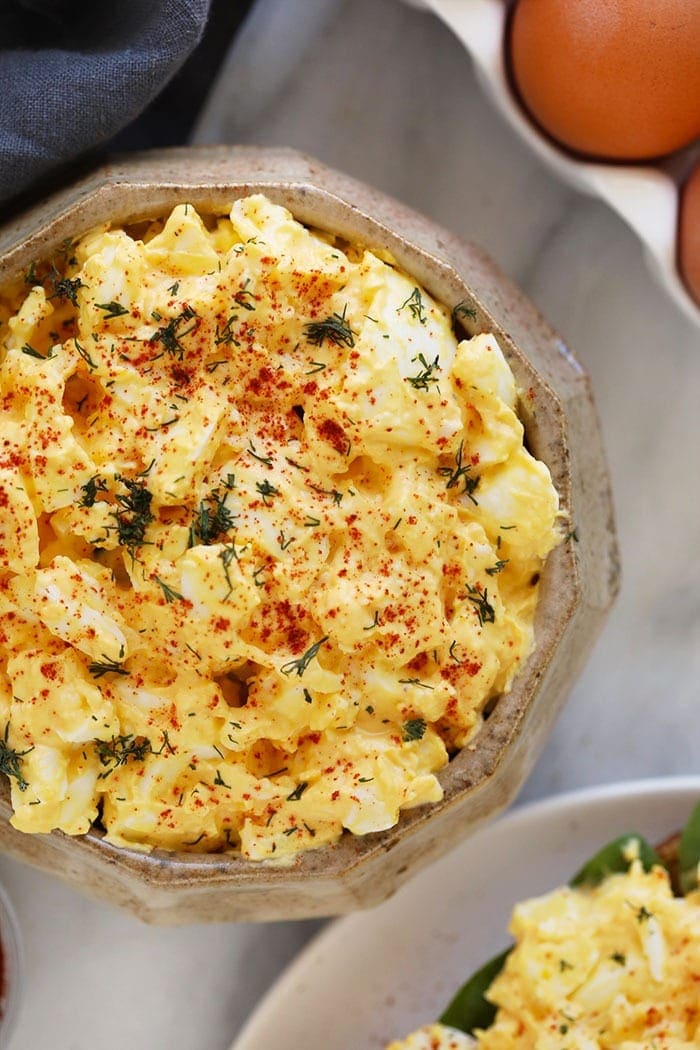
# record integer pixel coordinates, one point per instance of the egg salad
(435, 1037)
(269, 537)
(606, 966)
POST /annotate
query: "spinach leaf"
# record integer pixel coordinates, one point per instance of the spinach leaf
(470, 1009)
(612, 859)
(689, 853)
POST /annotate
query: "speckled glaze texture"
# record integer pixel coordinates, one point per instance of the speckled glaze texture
(579, 581)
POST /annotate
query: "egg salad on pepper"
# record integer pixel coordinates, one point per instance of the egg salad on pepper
(269, 536)
(615, 965)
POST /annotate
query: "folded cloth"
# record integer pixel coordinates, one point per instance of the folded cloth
(74, 72)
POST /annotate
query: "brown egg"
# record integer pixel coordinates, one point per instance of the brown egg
(617, 79)
(689, 234)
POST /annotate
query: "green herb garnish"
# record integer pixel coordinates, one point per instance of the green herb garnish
(480, 600)
(120, 750)
(299, 666)
(463, 310)
(29, 350)
(134, 514)
(112, 309)
(415, 305)
(266, 490)
(335, 329)
(106, 666)
(212, 519)
(498, 567)
(414, 729)
(424, 378)
(460, 472)
(171, 334)
(90, 490)
(66, 289)
(11, 760)
(169, 593)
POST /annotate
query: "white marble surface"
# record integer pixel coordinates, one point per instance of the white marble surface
(384, 92)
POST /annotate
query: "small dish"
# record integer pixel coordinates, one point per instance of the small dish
(400, 965)
(645, 196)
(578, 583)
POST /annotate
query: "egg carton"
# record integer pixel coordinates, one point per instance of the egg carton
(645, 196)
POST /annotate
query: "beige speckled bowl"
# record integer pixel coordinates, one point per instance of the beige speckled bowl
(578, 584)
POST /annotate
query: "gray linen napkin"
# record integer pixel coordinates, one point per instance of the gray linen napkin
(73, 72)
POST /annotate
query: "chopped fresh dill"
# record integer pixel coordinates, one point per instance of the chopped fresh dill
(90, 490)
(460, 472)
(112, 309)
(119, 750)
(212, 519)
(415, 681)
(224, 336)
(414, 729)
(165, 423)
(228, 555)
(266, 490)
(335, 329)
(65, 288)
(423, 379)
(29, 350)
(415, 306)
(106, 666)
(498, 567)
(11, 760)
(144, 473)
(484, 610)
(171, 334)
(134, 513)
(85, 355)
(298, 791)
(298, 466)
(284, 542)
(463, 310)
(337, 496)
(299, 666)
(242, 297)
(256, 575)
(169, 593)
(261, 459)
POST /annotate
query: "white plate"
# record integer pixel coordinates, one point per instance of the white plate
(377, 975)
(645, 196)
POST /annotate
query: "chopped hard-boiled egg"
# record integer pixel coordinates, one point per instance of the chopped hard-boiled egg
(615, 965)
(269, 542)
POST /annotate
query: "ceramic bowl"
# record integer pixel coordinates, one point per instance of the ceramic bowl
(578, 585)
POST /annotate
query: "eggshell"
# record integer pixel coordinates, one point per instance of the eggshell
(689, 234)
(616, 79)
